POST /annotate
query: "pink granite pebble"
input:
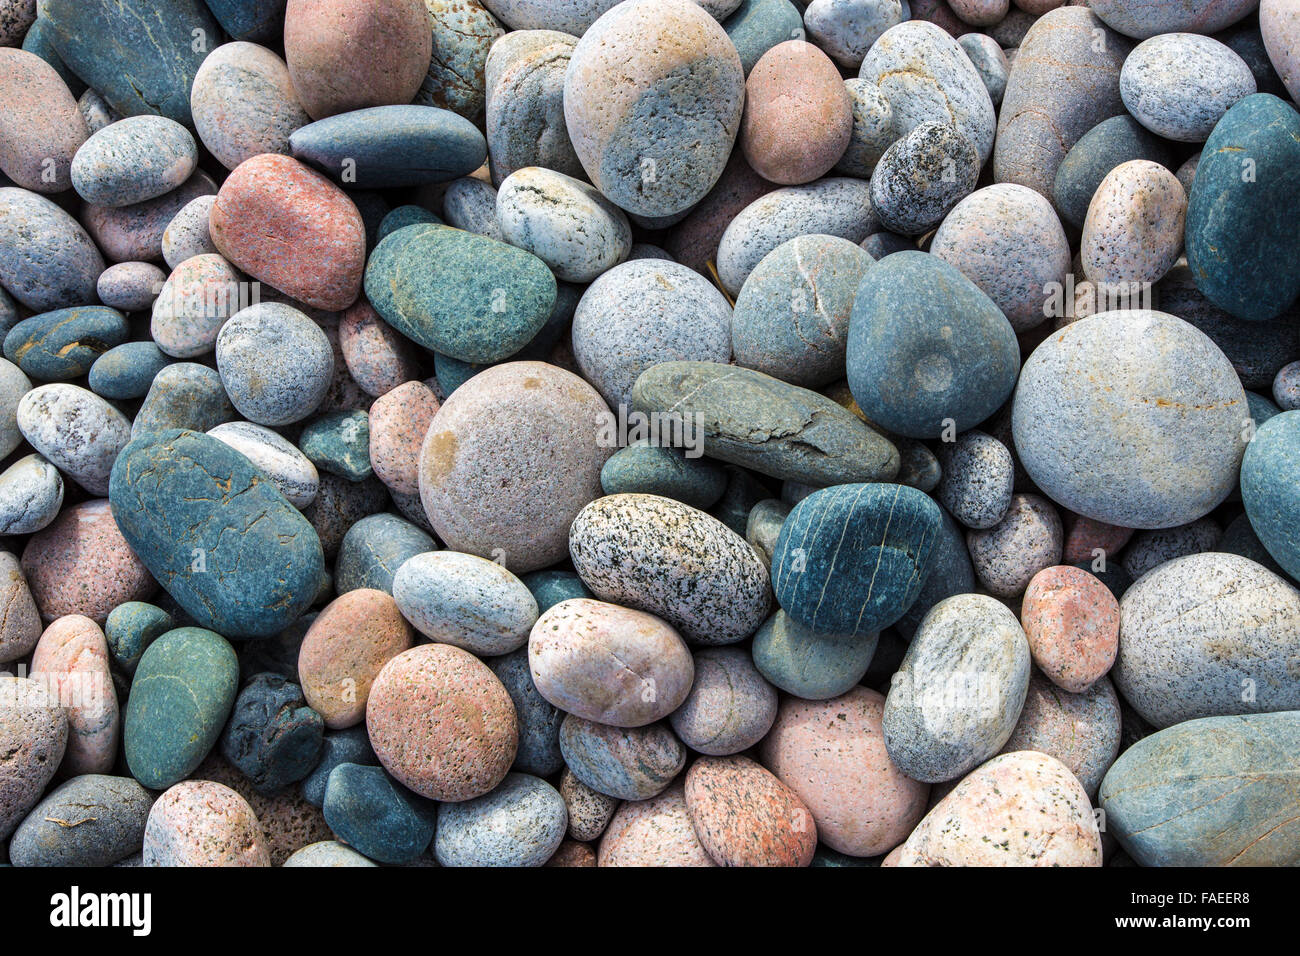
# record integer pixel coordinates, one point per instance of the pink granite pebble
(201, 823)
(654, 832)
(20, 621)
(1085, 537)
(377, 355)
(135, 233)
(40, 125)
(399, 420)
(72, 658)
(1072, 622)
(745, 816)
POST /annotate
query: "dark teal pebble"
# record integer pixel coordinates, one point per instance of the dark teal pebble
(272, 737)
(652, 470)
(851, 559)
(539, 719)
(374, 548)
(126, 371)
(260, 21)
(1111, 142)
(131, 628)
(881, 244)
(810, 664)
(91, 820)
(183, 395)
(391, 146)
(1240, 538)
(339, 443)
(64, 344)
(951, 573)
(403, 216)
(39, 41)
(376, 816)
(339, 746)
(549, 588)
(215, 532)
(1269, 489)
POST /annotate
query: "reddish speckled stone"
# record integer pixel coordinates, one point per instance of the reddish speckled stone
(1084, 536)
(745, 816)
(347, 55)
(72, 658)
(1072, 622)
(81, 564)
(798, 114)
(201, 823)
(399, 421)
(441, 723)
(40, 122)
(289, 226)
(831, 753)
(655, 832)
(377, 355)
(571, 853)
(345, 649)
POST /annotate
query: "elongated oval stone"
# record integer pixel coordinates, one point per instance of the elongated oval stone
(1220, 791)
(47, 260)
(751, 419)
(215, 532)
(41, 128)
(63, 344)
(462, 295)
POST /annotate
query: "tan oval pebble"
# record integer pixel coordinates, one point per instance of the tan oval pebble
(72, 658)
(1008, 555)
(20, 621)
(41, 127)
(201, 823)
(344, 650)
(832, 754)
(608, 663)
(1072, 622)
(1134, 228)
(745, 816)
(399, 420)
(654, 832)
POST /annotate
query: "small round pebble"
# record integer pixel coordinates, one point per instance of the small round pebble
(465, 601)
(977, 478)
(31, 494)
(133, 160)
(520, 823)
(1072, 622)
(201, 823)
(1008, 554)
(730, 706)
(275, 363)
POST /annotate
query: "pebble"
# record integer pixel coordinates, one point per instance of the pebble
(183, 395)
(273, 737)
(1150, 549)
(977, 479)
(134, 233)
(72, 658)
(1111, 142)
(847, 29)
(1028, 539)
(1266, 494)
(279, 459)
(589, 811)
(463, 34)
(42, 129)
(130, 286)
(374, 549)
(244, 103)
(1279, 27)
(643, 468)
(1080, 730)
(133, 160)
(441, 723)
(990, 62)
(202, 823)
(873, 129)
(378, 358)
(759, 25)
(922, 176)
(33, 735)
(1072, 622)
(730, 706)
(539, 720)
(186, 234)
(654, 832)
(1134, 228)
(47, 260)
(642, 51)
(31, 494)
(471, 204)
(813, 665)
(520, 823)
(549, 588)
(327, 853)
(367, 809)
(131, 628)
(763, 526)
(1146, 18)
(344, 746)
(629, 763)
(75, 430)
(275, 363)
(673, 561)
(20, 621)
(339, 443)
(958, 693)
(524, 79)
(1179, 85)
(91, 820)
(465, 601)
(745, 816)
(399, 421)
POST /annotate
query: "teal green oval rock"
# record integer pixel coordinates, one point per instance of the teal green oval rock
(549, 588)
(215, 532)
(403, 216)
(127, 370)
(668, 472)
(1241, 215)
(183, 691)
(131, 628)
(811, 664)
(463, 295)
(1269, 489)
(373, 549)
(64, 344)
(339, 443)
(1219, 791)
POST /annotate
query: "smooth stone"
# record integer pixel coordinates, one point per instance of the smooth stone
(33, 735)
(520, 823)
(524, 80)
(1207, 635)
(847, 29)
(654, 80)
(378, 358)
(1286, 387)
(609, 664)
(1279, 27)
(639, 550)
(42, 129)
(402, 216)
(730, 707)
(977, 479)
(279, 459)
(134, 160)
(958, 693)
(328, 853)
(630, 763)
(183, 691)
(1237, 224)
(834, 206)
(812, 665)
(471, 204)
(249, 19)
(130, 286)
(922, 176)
(91, 820)
(72, 658)
(758, 25)
(391, 146)
(1111, 142)
(563, 221)
(1089, 389)
(183, 395)
(832, 755)
(47, 260)
(917, 320)
(1028, 539)
(539, 719)
(1134, 228)
(1031, 798)
(273, 737)
(186, 234)
(641, 313)
(64, 344)
(131, 628)
(246, 567)
(763, 526)
(1267, 492)
(399, 421)
(643, 468)
(504, 471)
(197, 299)
(465, 601)
(31, 494)
(463, 34)
(1146, 18)
(338, 747)
(276, 364)
(574, 18)
(203, 823)
(134, 233)
(990, 63)
(654, 832)
(745, 816)
(1072, 622)
(14, 385)
(1179, 85)
(94, 110)
(442, 723)
(589, 811)
(75, 430)
(1150, 549)
(1080, 730)
(374, 549)
(459, 294)
(339, 443)
(872, 132)
(368, 809)
(20, 621)
(1220, 791)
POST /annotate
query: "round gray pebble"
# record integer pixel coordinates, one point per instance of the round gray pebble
(275, 363)
(977, 478)
(1027, 539)
(520, 823)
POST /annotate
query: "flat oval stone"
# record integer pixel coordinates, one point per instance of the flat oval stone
(47, 260)
(150, 65)
(1072, 622)
(33, 735)
(31, 494)
(183, 395)
(1179, 85)
(390, 146)
(1207, 635)
(75, 430)
(202, 823)
(184, 688)
(813, 665)
(832, 755)
(977, 480)
(134, 159)
(41, 129)
(276, 364)
(1220, 791)
(372, 812)
(507, 465)
(1031, 798)
(289, 226)
(72, 658)
(374, 549)
(441, 723)
(1109, 143)
(459, 294)
(961, 686)
(1146, 18)
(1236, 223)
(638, 551)
(520, 823)
(130, 286)
(927, 347)
(339, 443)
(279, 459)
(847, 29)
(465, 601)
(244, 103)
(378, 357)
(64, 344)
(630, 763)
(654, 77)
(247, 564)
(352, 54)
(654, 832)
(745, 816)
(1147, 381)
(1080, 730)
(91, 820)
(609, 664)
(750, 419)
